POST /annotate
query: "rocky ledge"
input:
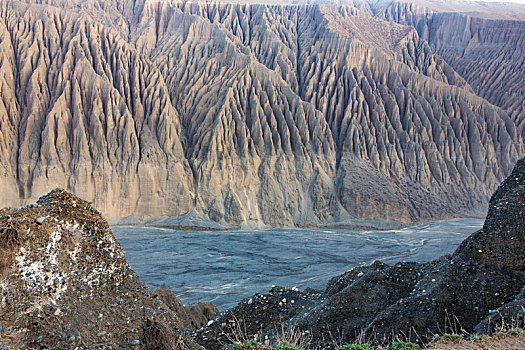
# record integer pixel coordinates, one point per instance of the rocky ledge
(65, 283)
(478, 288)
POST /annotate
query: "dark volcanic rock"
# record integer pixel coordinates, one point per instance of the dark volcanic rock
(261, 313)
(511, 315)
(65, 283)
(502, 240)
(452, 296)
(480, 287)
(347, 312)
(338, 283)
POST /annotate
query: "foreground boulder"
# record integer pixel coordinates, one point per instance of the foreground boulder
(65, 283)
(478, 288)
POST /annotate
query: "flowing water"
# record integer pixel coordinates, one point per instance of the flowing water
(223, 267)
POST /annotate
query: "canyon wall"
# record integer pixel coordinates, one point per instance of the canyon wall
(250, 114)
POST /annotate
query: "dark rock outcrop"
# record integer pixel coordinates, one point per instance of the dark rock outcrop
(477, 289)
(65, 283)
(263, 312)
(511, 314)
(193, 316)
(502, 239)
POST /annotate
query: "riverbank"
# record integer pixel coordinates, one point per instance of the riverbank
(192, 221)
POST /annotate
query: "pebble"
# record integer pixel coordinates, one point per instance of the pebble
(134, 342)
(100, 334)
(250, 302)
(40, 220)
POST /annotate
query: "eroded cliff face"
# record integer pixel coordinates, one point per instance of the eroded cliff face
(282, 115)
(484, 44)
(81, 108)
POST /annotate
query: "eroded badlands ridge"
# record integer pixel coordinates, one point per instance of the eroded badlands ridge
(250, 114)
(484, 43)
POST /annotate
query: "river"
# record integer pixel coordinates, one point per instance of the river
(223, 267)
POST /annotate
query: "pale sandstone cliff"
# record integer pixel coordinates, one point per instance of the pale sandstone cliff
(483, 42)
(251, 114)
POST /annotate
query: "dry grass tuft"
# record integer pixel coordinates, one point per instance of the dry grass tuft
(293, 336)
(11, 234)
(502, 341)
(288, 336)
(238, 334)
(158, 335)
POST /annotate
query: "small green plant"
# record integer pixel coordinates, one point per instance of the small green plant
(403, 345)
(453, 336)
(248, 345)
(364, 346)
(291, 338)
(484, 338)
(286, 346)
(515, 331)
(500, 331)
